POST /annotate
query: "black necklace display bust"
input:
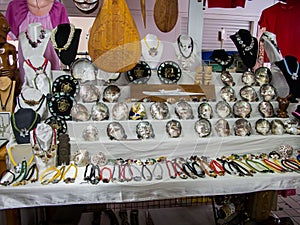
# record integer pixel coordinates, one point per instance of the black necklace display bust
(247, 46)
(221, 57)
(65, 39)
(289, 67)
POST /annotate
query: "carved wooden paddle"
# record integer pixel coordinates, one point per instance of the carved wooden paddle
(165, 14)
(114, 44)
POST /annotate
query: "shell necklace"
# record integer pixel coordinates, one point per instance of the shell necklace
(34, 44)
(69, 41)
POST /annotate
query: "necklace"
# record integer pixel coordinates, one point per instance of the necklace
(185, 47)
(68, 43)
(3, 107)
(44, 154)
(34, 44)
(294, 75)
(153, 51)
(32, 103)
(269, 38)
(10, 155)
(39, 70)
(243, 45)
(24, 131)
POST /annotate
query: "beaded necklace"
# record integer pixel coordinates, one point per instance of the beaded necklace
(190, 46)
(69, 41)
(294, 75)
(153, 51)
(34, 44)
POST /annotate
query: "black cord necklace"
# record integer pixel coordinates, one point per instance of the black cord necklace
(189, 46)
(3, 106)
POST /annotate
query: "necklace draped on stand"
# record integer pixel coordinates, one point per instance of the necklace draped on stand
(68, 42)
(34, 44)
(270, 46)
(247, 46)
(294, 75)
(221, 57)
(186, 53)
(152, 51)
(5, 92)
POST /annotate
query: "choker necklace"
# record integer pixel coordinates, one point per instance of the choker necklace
(185, 47)
(243, 45)
(39, 70)
(3, 107)
(153, 51)
(229, 61)
(293, 75)
(34, 44)
(69, 41)
(44, 154)
(24, 131)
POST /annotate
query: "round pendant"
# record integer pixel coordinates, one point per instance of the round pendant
(205, 111)
(203, 127)
(248, 78)
(242, 127)
(227, 79)
(115, 131)
(159, 111)
(222, 128)
(266, 109)
(79, 112)
(267, 92)
(169, 72)
(242, 109)
(83, 70)
(90, 133)
(137, 111)
(262, 126)
(111, 93)
(60, 105)
(89, 93)
(144, 130)
(263, 75)
(100, 112)
(67, 84)
(277, 127)
(120, 111)
(140, 74)
(173, 128)
(227, 93)
(153, 51)
(184, 110)
(223, 109)
(249, 94)
(57, 123)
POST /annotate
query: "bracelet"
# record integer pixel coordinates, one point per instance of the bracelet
(105, 179)
(7, 182)
(114, 179)
(33, 168)
(169, 170)
(199, 173)
(70, 179)
(158, 176)
(217, 167)
(291, 164)
(48, 172)
(192, 173)
(136, 177)
(259, 167)
(95, 174)
(123, 173)
(205, 166)
(145, 168)
(273, 165)
(242, 171)
(21, 175)
(180, 173)
(60, 177)
(87, 176)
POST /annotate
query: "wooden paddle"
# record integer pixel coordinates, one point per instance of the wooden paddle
(166, 14)
(114, 44)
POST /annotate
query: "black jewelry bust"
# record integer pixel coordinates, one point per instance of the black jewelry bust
(247, 46)
(221, 57)
(68, 54)
(289, 67)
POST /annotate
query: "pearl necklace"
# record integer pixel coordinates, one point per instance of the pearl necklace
(243, 45)
(294, 75)
(70, 38)
(153, 51)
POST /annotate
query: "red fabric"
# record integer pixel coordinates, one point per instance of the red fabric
(283, 20)
(225, 3)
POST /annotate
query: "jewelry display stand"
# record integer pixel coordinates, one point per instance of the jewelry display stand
(34, 40)
(152, 50)
(38, 73)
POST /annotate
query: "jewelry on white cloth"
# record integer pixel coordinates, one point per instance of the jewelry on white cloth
(153, 51)
(294, 75)
(34, 44)
(69, 41)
